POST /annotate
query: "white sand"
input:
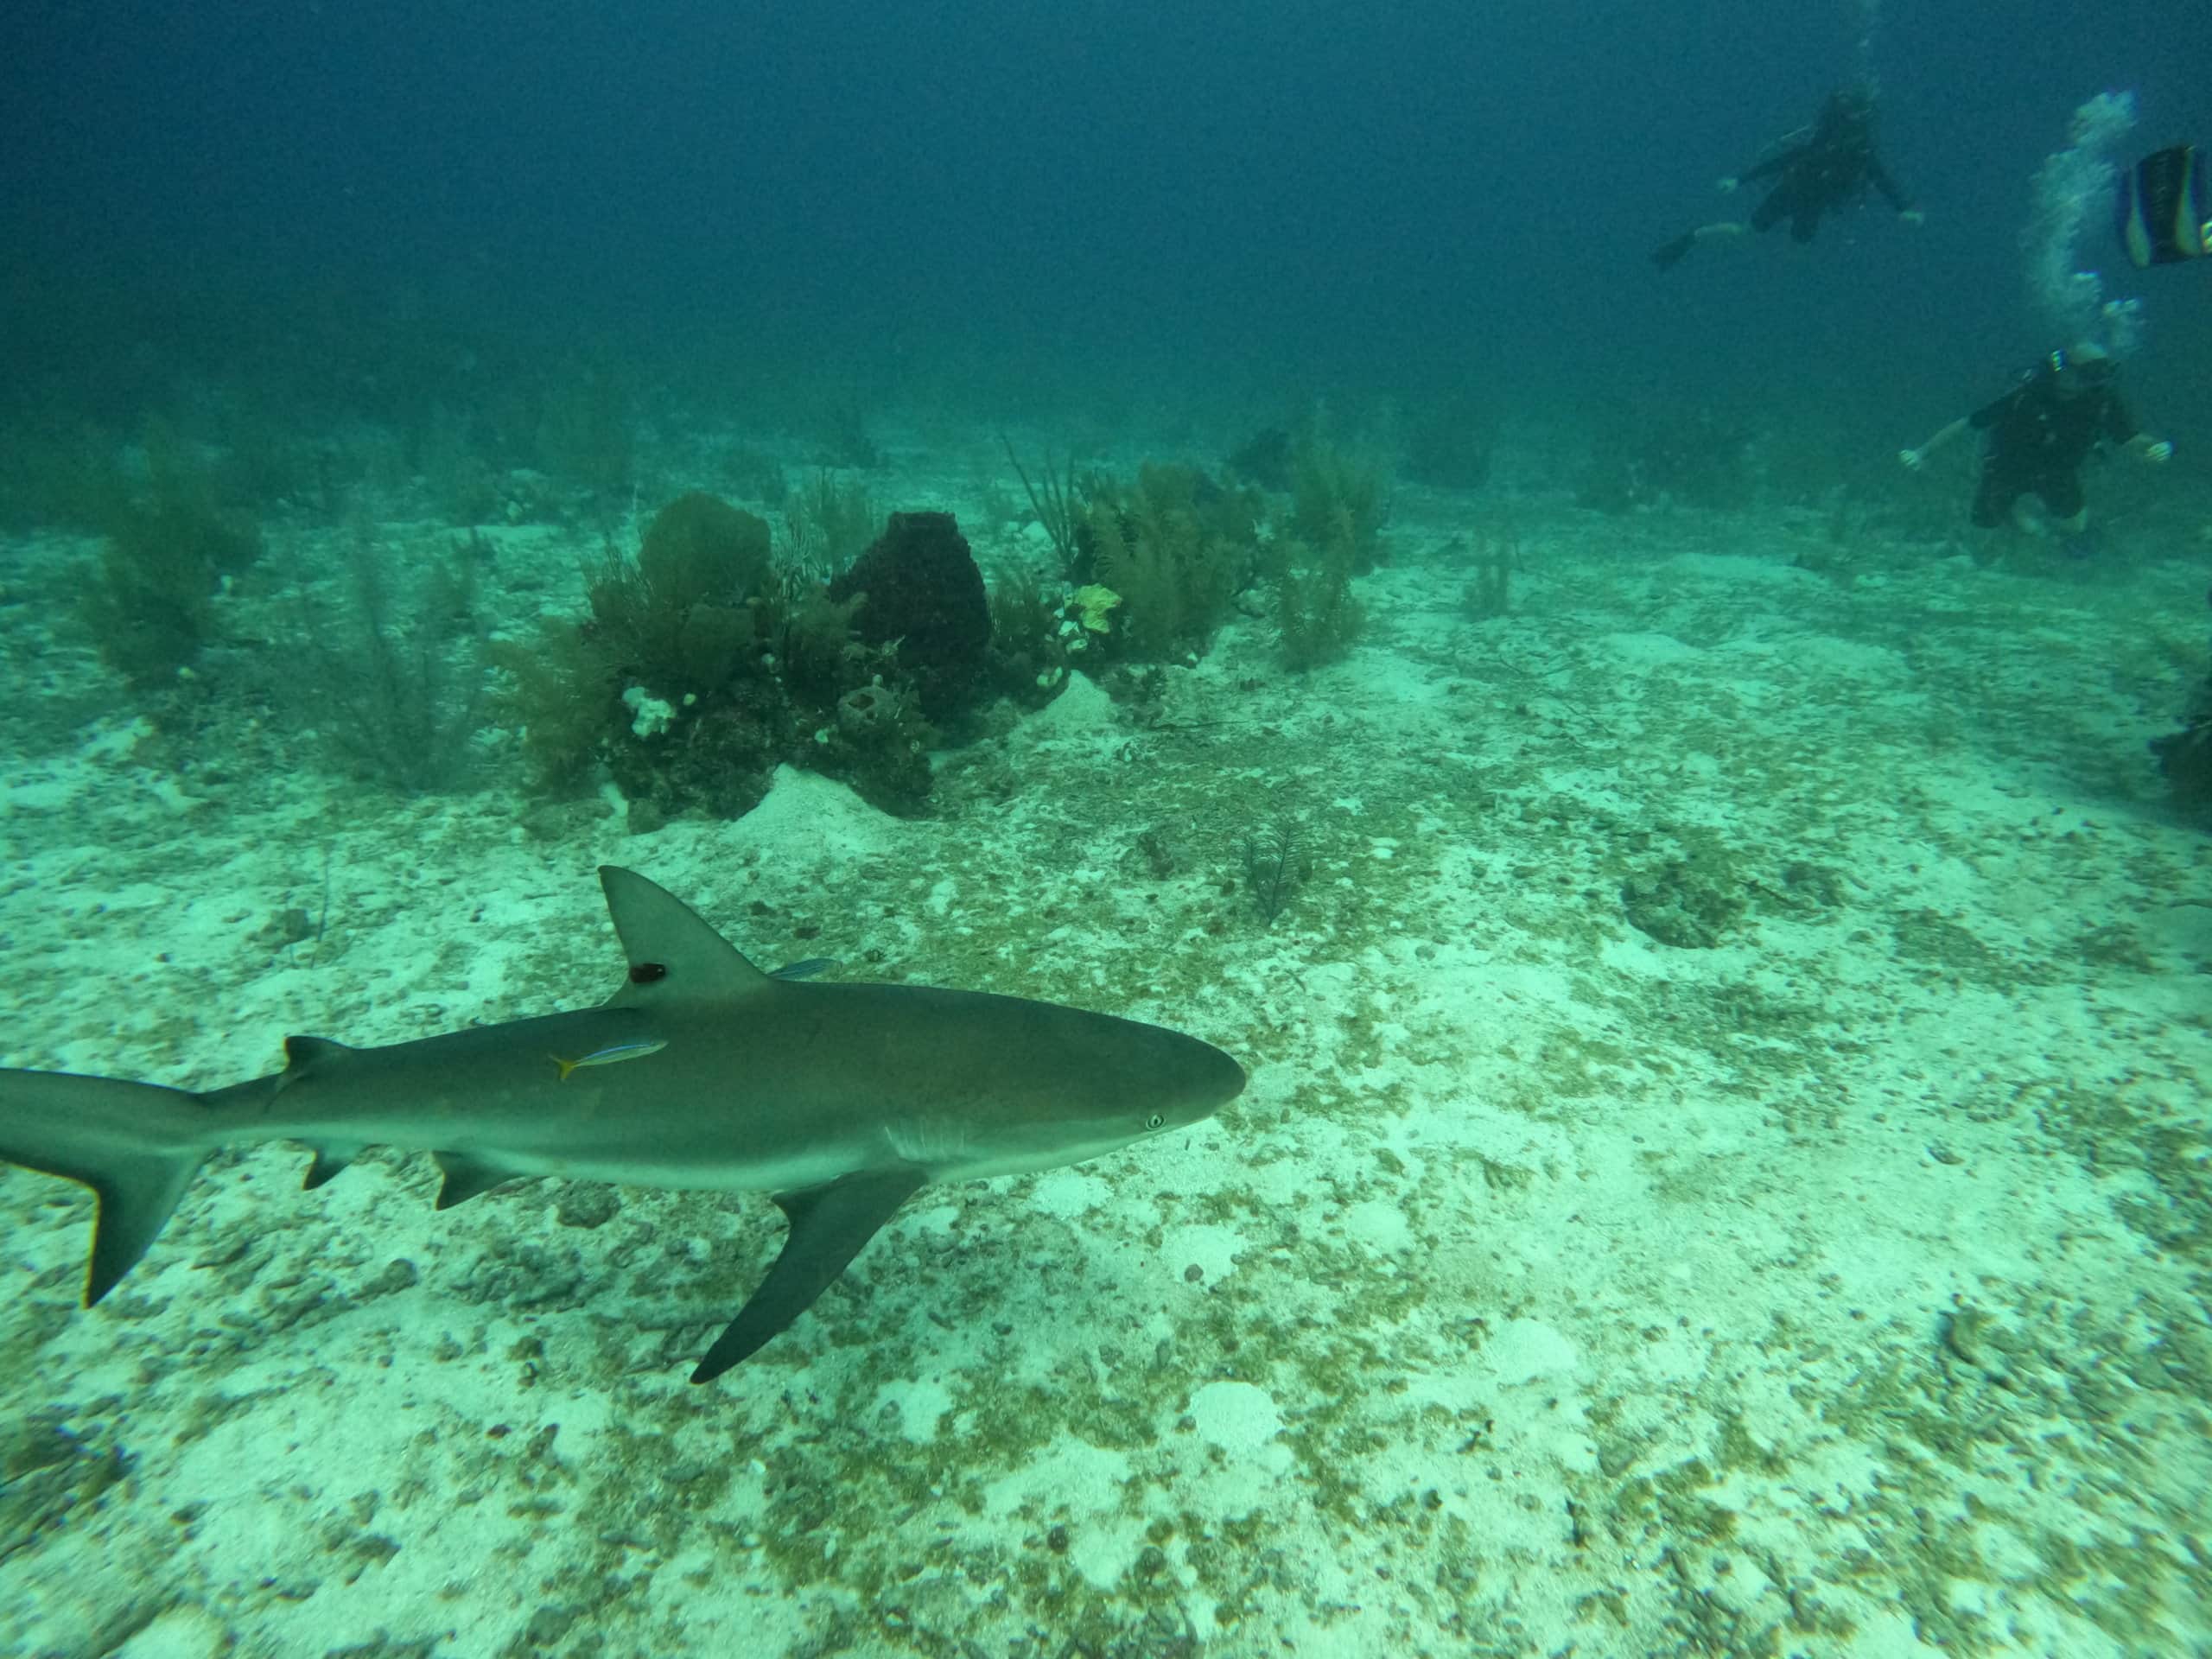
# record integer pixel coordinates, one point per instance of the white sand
(1832, 1286)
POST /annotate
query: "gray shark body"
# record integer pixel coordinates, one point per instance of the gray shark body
(700, 1074)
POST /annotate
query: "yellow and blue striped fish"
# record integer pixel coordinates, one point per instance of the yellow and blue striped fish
(613, 1054)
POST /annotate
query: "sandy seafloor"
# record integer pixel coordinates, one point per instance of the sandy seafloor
(1831, 1281)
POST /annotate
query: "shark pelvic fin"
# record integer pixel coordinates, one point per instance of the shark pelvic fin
(327, 1166)
(672, 951)
(466, 1175)
(829, 1226)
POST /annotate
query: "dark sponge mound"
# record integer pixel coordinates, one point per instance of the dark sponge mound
(922, 590)
(2185, 756)
(699, 547)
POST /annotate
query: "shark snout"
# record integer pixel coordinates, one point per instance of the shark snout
(1224, 1080)
(1203, 1080)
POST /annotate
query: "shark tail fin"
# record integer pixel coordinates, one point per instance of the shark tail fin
(137, 1145)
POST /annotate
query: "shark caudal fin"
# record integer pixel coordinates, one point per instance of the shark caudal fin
(138, 1145)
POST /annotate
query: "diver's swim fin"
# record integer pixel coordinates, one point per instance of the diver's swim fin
(2164, 216)
(1668, 254)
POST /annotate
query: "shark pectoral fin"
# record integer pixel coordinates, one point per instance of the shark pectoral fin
(828, 1225)
(466, 1176)
(327, 1165)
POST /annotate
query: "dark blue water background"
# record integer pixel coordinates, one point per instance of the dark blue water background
(1284, 197)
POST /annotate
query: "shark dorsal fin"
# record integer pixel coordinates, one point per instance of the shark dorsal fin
(673, 952)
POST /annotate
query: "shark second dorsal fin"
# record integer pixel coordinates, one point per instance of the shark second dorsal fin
(673, 952)
(304, 1056)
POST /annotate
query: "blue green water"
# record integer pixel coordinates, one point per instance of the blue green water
(1720, 961)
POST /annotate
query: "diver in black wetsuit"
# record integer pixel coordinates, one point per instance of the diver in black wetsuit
(2039, 434)
(1818, 170)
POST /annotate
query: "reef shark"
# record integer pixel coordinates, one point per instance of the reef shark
(702, 1072)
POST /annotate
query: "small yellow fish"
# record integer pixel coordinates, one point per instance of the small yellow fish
(613, 1054)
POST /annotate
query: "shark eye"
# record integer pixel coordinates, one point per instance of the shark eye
(1155, 1121)
(644, 973)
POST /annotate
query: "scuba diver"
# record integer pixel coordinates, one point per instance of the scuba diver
(2039, 434)
(1816, 170)
(2165, 213)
